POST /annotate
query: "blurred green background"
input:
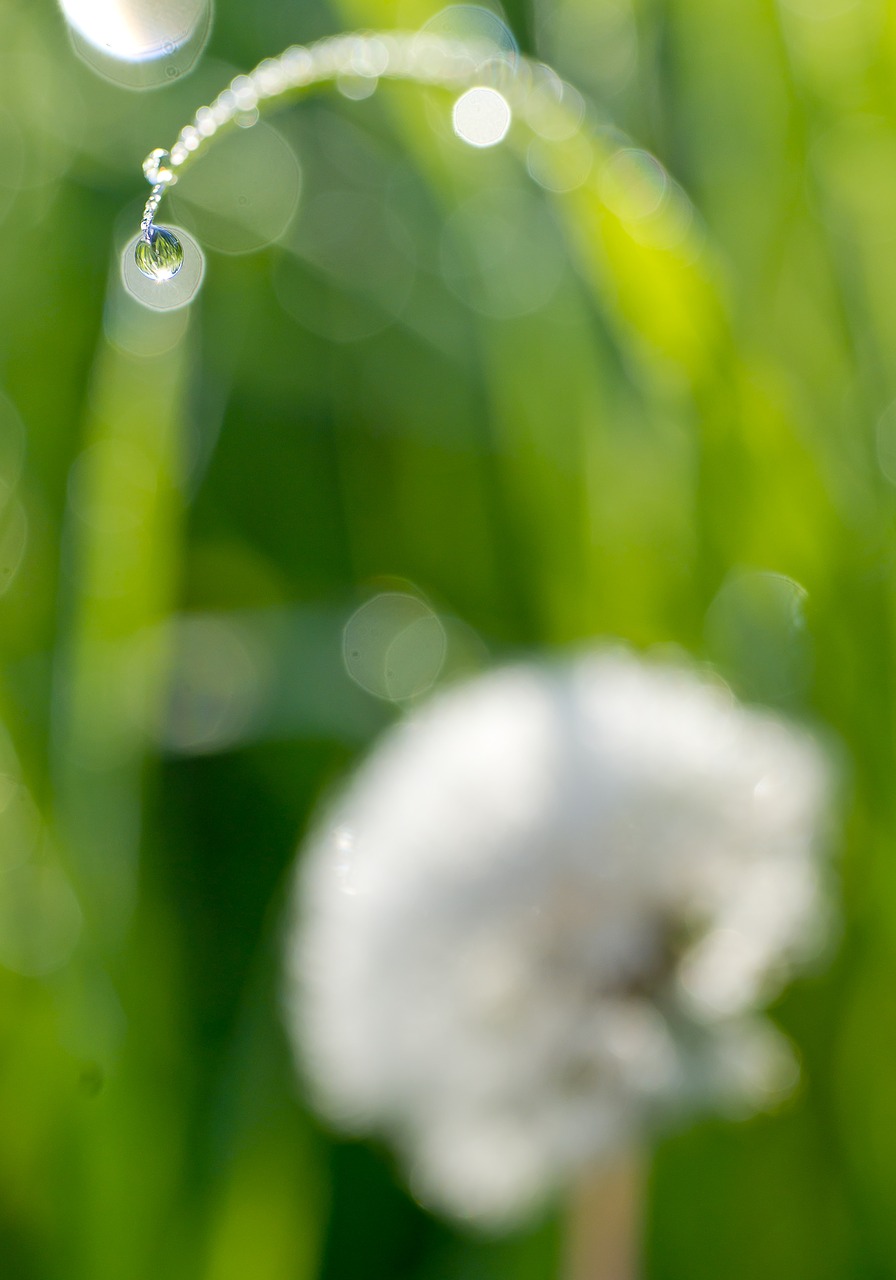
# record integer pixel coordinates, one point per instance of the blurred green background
(538, 388)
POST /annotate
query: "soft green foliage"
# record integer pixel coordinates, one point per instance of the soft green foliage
(681, 435)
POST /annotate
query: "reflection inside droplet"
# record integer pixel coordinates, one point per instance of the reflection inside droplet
(164, 292)
(481, 116)
(159, 255)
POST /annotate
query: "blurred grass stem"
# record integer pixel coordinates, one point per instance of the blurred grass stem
(604, 1222)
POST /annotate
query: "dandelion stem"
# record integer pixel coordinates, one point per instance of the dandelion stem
(605, 1219)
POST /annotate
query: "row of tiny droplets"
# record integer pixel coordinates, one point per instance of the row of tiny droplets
(422, 57)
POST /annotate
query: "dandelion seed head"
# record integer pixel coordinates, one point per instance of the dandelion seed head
(570, 890)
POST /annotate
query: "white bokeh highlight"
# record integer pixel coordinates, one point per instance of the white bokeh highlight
(481, 117)
(135, 30)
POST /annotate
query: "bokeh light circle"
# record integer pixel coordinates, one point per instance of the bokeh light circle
(481, 116)
(633, 184)
(394, 646)
(244, 193)
(484, 34)
(139, 331)
(500, 253)
(755, 632)
(140, 44)
(351, 267)
(560, 166)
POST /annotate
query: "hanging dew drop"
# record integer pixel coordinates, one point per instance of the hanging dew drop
(157, 167)
(162, 283)
(159, 254)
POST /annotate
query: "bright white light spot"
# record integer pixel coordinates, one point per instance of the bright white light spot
(481, 117)
(135, 30)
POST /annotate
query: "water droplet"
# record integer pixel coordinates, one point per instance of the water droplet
(157, 167)
(177, 290)
(160, 255)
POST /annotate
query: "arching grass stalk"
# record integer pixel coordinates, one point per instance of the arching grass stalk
(514, 86)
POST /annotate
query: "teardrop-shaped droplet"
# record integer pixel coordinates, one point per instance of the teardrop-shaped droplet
(160, 255)
(157, 167)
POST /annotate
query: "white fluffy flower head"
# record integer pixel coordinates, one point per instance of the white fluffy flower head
(542, 915)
